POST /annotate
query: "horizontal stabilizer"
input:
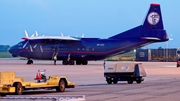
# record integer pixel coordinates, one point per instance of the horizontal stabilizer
(150, 38)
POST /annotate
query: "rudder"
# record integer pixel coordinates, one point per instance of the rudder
(154, 18)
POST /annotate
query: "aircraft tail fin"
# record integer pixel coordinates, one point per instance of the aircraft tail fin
(152, 28)
(153, 19)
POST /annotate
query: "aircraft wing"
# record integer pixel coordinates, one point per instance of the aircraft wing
(47, 40)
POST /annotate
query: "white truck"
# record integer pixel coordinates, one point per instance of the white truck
(124, 71)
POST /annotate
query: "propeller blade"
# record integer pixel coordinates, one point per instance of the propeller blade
(36, 33)
(41, 48)
(35, 46)
(62, 34)
(31, 48)
(25, 44)
(43, 35)
(26, 34)
(83, 35)
(32, 35)
(68, 35)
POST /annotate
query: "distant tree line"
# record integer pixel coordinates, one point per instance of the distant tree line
(4, 48)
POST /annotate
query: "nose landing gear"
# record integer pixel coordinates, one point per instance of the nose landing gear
(29, 62)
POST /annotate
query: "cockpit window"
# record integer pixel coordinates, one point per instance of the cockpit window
(20, 44)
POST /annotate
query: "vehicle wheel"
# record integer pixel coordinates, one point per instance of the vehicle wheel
(138, 81)
(65, 62)
(61, 87)
(18, 88)
(78, 62)
(71, 62)
(130, 81)
(84, 62)
(115, 81)
(109, 81)
(177, 65)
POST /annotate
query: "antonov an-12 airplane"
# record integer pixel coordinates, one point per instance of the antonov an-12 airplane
(81, 50)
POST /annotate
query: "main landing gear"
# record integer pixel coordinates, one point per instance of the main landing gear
(29, 62)
(81, 62)
(71, 62)
(66, 62)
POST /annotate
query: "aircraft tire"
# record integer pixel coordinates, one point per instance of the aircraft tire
(71, 62)
(65, 62)
(84, 62)
(30, 62)
(78, 62)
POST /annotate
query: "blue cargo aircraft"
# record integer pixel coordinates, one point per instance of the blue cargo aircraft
(70, 49)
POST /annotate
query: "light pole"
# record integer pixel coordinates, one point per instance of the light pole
(167, 46)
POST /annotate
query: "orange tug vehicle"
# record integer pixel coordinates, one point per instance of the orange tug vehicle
(11, 84)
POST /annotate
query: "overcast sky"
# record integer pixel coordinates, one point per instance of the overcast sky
(94, 18)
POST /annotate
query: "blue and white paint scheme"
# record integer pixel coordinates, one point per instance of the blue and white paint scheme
(81, 50)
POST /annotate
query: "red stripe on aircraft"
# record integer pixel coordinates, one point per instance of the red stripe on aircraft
(155, 4)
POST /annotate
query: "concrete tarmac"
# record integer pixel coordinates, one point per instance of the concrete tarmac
(161, 84)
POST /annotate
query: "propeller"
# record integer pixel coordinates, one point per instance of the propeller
(29, 43)
(36, 33)
(83, 35)
(35, 46)
(32, 35)
(62, 34)
(26, 34)
(41, 48)
(25, 44)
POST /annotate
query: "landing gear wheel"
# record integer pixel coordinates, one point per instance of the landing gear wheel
(130, 81)
(177, 65)
(18, 88)
(78, 62)
(115, 81)
(84, 62)
(71, 62)
(65, 62)
(109, 81)
(138, 81)
(61, 87)
(30, 62)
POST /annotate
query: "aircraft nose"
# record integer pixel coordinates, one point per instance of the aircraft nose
(13, 50)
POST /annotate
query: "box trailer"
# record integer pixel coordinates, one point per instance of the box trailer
(124, 71)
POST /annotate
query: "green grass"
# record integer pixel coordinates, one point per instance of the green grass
(5, 55)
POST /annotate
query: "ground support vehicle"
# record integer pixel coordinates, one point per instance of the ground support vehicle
(124, 71)
(178, 61)
(11, 84)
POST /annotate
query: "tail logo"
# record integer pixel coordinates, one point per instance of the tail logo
(153, 18)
